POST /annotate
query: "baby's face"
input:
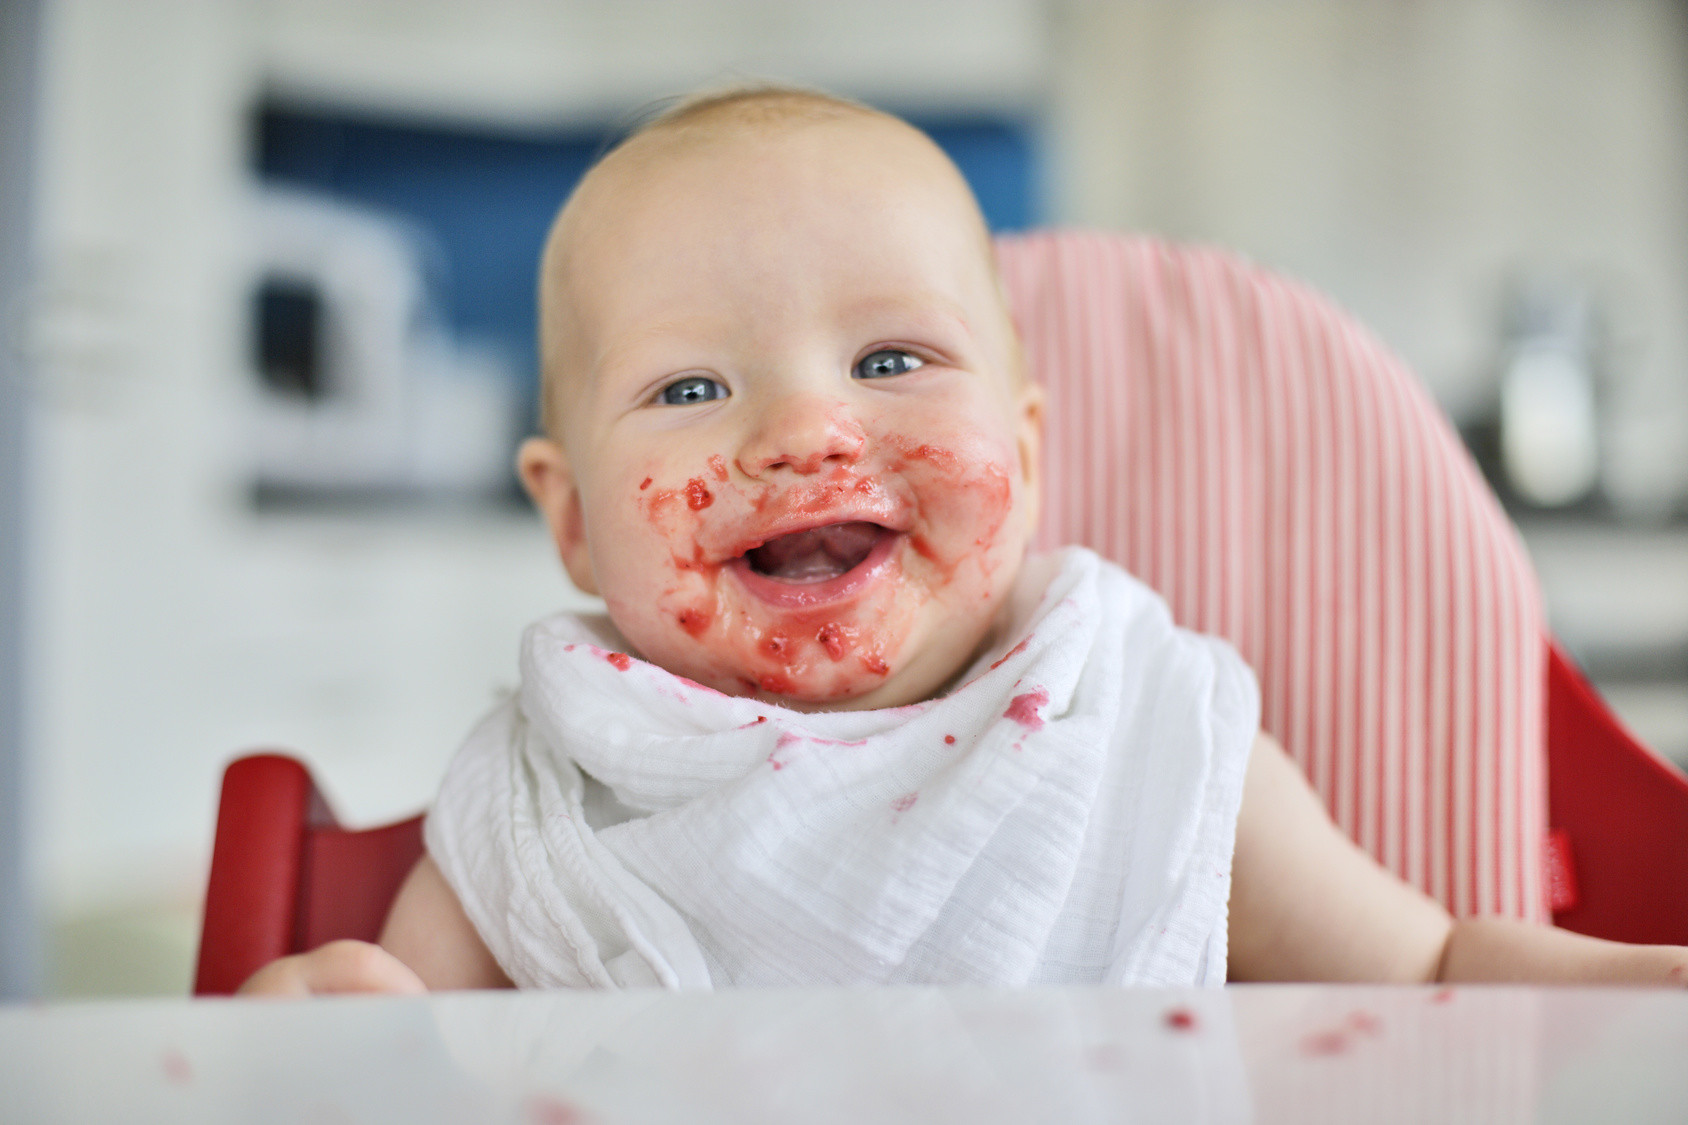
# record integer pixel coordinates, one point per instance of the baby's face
(797, 457)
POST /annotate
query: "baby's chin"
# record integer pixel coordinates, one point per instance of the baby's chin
(916, 668)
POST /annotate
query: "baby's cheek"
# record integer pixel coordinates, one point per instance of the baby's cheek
(967, 493)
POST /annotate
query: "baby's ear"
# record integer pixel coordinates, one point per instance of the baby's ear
(1029, 414)
(544, 469)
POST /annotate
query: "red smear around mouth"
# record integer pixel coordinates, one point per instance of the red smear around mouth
(799, 649)
(619, 660)
(836, 639)
(1023, 708)
(1181, 1019)
(644, 484)
(1011, 654)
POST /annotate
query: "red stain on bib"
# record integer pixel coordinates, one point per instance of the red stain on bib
(1023, 708)
(620, 660)
(1011, 654)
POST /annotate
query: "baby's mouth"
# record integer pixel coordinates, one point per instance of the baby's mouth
(818, 566)
(818, 554)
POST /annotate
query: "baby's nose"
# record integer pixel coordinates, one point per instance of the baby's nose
(804, 434)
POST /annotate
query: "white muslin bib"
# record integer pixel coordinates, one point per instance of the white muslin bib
(1066, 815)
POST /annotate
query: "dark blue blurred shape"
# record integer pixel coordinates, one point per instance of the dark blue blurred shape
(487, 198)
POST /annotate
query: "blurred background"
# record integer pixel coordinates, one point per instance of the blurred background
(266, 339)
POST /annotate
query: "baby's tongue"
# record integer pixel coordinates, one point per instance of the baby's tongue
(817, 554)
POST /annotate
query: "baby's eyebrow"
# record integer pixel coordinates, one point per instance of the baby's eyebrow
(927, 311)
(654, 343)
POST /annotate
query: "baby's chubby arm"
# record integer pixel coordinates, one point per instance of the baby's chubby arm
(1308, 905)
(427, 943)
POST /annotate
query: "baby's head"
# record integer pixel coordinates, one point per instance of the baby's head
(789, 437)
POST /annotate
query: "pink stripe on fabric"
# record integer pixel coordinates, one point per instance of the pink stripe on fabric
(1251, 452)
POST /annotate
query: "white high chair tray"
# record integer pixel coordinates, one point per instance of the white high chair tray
(1251, 1053)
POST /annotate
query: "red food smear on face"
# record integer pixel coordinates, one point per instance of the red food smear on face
(620, 660)
(693, 621)
(1182, 1019)
(644, 484)
(875, 663)
(698, 495)
(776, 644)
(942, 458)
(1011, 653)
(1023, 708)
(775, 684)
(949, 740)
(836, 639)
(176, 1067)
(718, 464)
(904, 803)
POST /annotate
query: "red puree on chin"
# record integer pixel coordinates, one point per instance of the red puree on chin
(817, 612)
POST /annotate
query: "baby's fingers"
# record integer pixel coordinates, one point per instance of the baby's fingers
(339, 966)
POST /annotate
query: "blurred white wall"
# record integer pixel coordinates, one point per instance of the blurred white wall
(1406, 156)
(1412, 158)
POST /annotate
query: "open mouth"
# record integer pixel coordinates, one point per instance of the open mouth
(818, 554)
(817, 566)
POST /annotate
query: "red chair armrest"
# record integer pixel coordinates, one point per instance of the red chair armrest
(251, 897)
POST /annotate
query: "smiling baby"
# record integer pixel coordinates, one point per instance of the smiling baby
(837, 726)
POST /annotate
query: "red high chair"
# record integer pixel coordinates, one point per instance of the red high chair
(1253, 453)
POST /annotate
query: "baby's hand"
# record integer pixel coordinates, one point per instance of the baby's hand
(339, 966)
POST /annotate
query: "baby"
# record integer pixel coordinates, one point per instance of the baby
(838, 727)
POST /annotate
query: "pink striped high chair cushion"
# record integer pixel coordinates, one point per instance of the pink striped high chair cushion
(1284, 481)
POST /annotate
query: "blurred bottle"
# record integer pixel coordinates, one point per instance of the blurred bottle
(1549, 423)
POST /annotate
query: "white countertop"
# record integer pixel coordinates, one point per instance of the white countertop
(1251, 1053)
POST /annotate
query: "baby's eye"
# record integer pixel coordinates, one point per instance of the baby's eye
(693, 388)
(887, 362)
